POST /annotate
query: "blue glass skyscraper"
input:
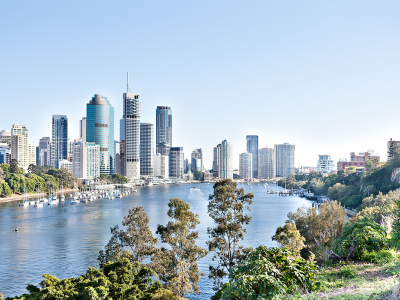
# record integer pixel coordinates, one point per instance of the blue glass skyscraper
(59, 149)
(163, 129)
(100, 130)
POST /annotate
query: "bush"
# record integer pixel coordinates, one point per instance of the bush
(381, 257)
(267, 273)
(360, 238)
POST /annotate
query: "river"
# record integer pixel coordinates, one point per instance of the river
(64, 240)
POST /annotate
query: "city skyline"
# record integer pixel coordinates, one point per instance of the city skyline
(292, 59)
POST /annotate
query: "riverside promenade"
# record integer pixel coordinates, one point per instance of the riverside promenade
(17, 197)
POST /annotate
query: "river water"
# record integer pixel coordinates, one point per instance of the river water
(64, 240)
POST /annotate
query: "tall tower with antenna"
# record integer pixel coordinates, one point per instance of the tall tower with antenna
(131, 147)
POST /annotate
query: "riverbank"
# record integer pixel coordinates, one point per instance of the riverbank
(17, 197)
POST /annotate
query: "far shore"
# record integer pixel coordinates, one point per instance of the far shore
(17, 197)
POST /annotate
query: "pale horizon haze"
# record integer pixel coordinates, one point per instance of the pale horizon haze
(321, 75)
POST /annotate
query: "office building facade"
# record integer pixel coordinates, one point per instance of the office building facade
(82, 129)
(252, 147)
(59, 139)
(132, 113)
(100, 130)
(266, 163)
(86, 163)
(176, 162)
(146, 149)
(284, 159)
(223, 160)
(161, 165)
(163, 129)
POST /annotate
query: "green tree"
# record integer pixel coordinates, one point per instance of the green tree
(227, 208)
(14, 168)
(198, 175)
(136, 242)
(115, 280)
(288, 236)
(2, 174)
(394, 151)
(5, 167)
(180, 263)
(267, 273)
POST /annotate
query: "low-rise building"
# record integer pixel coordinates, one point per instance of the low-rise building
(325, 164)
(357, 160)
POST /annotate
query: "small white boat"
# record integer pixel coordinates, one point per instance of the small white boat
(39, 204)
(75, 201)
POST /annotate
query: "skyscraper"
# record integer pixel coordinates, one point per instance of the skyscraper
(284, 159)
(86, 164)
(163, 129)
(252, 147)
(82, 129)
(146, 149)
(5, 137)
(132, 112)
(20, 145)
(266, 163)
(44, 151)
(197, 160)
(100, 130)
(223, 158)
(59, 139)
(245, 165)
(176, 162)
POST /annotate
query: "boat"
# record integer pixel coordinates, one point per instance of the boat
(16, 228)
(75, 201)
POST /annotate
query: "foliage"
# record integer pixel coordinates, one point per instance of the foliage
(64, 176)
(5, 167)
(14, 167)
(381, 256)
(2, 174)
(396, 223)
(137, 237)
(288, 236)
(115, 280)
(5, 189)
(269, 272)
(360, 238)
(165, 295)
(198, 175)
(394, 151)
(227, 208)
(182, 273)
(115, 178)
(314, 225)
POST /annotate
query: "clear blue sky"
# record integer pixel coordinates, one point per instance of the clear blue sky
(323, 75)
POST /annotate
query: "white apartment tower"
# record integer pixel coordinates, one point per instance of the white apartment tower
(284, 159)
(131, 159)
(176, 162)
(245, 165)
(147, 149)
(20, 145)
(86, 163)
(223, 160)
(266, 163)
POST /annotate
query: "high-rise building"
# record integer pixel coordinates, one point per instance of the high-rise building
(161, 165)
(132, 112)
(5, 155)
(325, 164)
(245, 165)
(20, 145)
(215, 161)
(59, 139)
(122, 146)
(266, 163)
(176, 162)
(197, 160)
(146, 149)
(223, 158)
(32, 154)
(252, 147)
(100, 130)
(86, 163)
(284, 159)
(5, 137)
(117, 157)
(82, 129)
(44, 151)
(163, 129)
(185, 165)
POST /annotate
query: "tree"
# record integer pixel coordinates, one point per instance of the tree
(180, 263)
(394, 150)
(14, 168)
(2, 174)
(227, 207)
(137, 237)
(198, 175)
(267, 273)
(5, 167)
(288, 236)
(114, 280)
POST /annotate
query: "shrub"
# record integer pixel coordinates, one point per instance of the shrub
(381, 257)
(267, 273)
(360, 238)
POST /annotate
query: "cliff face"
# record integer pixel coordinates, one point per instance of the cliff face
(396, 175)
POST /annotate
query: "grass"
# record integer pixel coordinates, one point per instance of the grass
(357, 281)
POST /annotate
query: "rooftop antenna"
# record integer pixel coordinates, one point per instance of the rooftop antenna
(127, 83)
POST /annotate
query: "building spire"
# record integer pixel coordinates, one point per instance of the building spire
(127, 83)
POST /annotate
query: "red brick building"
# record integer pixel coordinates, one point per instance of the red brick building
(357, 160)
